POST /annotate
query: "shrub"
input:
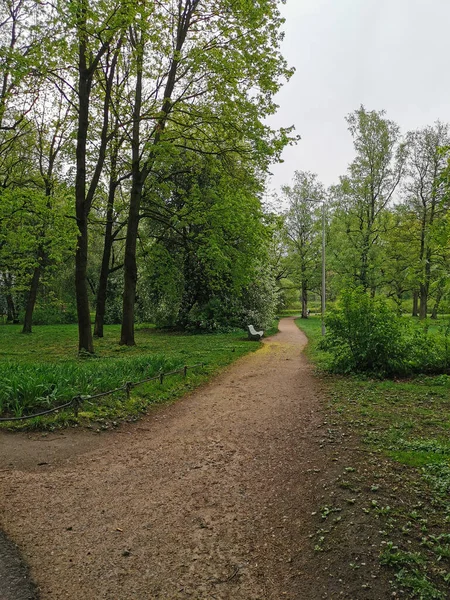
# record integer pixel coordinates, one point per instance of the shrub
(51, 314)
(365, 335)
(429, 352)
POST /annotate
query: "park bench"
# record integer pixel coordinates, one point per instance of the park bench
(253, 334)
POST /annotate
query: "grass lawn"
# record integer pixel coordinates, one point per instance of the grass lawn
(42, 370)
(403, 427)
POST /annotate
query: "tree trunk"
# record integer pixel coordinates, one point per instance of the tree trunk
(107, 248)
(364, 273)
(104, 274)
(415, 308)
(141, 172)
(130, 266)
(11, 314)
(84, 197)
(304, 299)
(423, 307)
(85, 341)
(434, 312)
(11, 309)
(31, 300)
(398, 302)
(137, 182)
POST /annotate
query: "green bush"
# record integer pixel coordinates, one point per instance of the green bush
(365, 335)
(52, 315)
(429, 352)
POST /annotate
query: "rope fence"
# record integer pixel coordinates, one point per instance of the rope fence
(77, 401)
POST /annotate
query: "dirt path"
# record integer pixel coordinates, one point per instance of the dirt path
(209, 498)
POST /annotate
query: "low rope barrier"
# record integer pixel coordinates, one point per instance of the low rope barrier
(77, 401)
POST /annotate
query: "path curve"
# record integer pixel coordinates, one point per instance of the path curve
(209, 498)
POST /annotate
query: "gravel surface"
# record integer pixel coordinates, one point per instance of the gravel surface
(209, 498)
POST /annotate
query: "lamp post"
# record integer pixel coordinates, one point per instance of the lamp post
(323, 269)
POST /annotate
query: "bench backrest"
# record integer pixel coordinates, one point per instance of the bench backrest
(252, 330)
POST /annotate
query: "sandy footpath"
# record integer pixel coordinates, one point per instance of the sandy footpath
(209, 498)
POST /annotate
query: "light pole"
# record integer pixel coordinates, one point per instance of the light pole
(323, 269)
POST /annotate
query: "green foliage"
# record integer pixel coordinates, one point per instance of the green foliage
(260, 300)
(429, 351)
(302, 232)
(207, 268)
(361, 200)
(27, 388)
(364, 334)
(51, 314)
(256, 305)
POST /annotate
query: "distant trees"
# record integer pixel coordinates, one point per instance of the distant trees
(388, 218)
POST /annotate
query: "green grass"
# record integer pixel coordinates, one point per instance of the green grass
(407, 422)
(42, 370)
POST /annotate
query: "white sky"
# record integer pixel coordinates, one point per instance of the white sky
(385, 54)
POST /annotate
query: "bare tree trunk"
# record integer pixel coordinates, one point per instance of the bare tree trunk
(84, 197)
(137, 181)
(398, 302)
(130, 268)
(103, 282)
(423, 307)
(304, 298)
(107, 248)
(11, 313)
(415, 308)
(11, 309)
(434, 312)
(85, 341)
(31, 300)
(364, 274)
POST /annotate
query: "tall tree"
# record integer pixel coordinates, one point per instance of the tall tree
(425, 195)
(302, 225)
(53, 231)
(365, 192)
(97, 30)
(219, 68)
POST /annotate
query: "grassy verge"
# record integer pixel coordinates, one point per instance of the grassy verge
(40, 371)
(402, 485)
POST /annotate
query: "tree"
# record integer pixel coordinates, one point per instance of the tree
(53, 231)
(205, 256)
(425, 195)
(303, 226)
(398, 257)
(362, 196)
(20, 43)
(216, 79)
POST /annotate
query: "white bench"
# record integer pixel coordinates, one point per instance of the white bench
(253, 334)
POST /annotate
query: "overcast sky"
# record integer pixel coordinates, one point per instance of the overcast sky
(385, 54)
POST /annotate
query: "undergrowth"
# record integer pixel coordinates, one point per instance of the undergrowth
(41, 371)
